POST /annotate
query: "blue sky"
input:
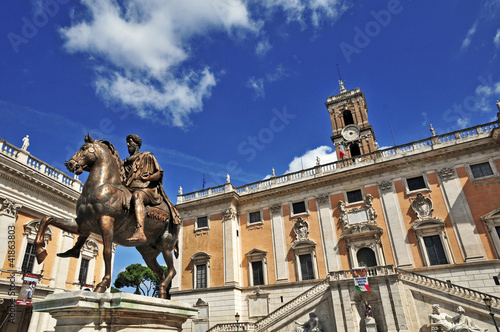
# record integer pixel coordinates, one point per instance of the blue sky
(238, 87)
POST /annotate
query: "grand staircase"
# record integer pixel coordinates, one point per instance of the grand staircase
(288, 312)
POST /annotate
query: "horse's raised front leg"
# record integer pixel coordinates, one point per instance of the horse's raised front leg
(75, 251)
(106, 224)
(67, 225)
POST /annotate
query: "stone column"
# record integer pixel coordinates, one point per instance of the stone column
(231, 260)
(460, 215)
(350, 317)
(279, 244)
(337, 307)
(328, 233)
(8, 216)
(395, 224)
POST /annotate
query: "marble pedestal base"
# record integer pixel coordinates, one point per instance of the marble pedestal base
(88, 311)
(371, 324)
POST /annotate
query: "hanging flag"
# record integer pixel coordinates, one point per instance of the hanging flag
(360, 279)
(204, 181)
(341, 150)
(27, 289)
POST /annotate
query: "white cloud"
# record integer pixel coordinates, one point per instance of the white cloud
(466, 42)
(257, 84)
(263, 47)
(300, 10)
(496, 39)
(483, 90)
(143, 43)
(140, 47)
(325, 153)
(463, 122)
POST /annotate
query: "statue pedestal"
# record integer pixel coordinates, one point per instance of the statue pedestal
(89, 311)
(371, 324)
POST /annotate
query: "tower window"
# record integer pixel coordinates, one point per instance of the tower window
(348, 119)
(355, 151)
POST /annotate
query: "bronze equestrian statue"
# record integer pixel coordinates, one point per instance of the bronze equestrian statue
(125, 203)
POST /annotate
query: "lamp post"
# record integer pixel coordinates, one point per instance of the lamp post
(487, 301)
(237, 318)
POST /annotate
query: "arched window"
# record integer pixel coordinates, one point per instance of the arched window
(366, 257)
(355, 150)
(348, 119)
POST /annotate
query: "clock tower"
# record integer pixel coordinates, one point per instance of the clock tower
(352, 134)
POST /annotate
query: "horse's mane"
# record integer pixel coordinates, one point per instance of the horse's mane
(116, 157)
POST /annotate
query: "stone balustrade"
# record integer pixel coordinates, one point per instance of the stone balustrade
(395, 152)
(449, 287)
(36, 165)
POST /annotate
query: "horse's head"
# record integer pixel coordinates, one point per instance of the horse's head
(83, 158)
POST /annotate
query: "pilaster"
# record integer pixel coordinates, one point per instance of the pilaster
(61, 271)
(176, 282)
(8, 216)
(231, 276)
(279, 244)
(460, 215)
(395, 224)
(329, 234)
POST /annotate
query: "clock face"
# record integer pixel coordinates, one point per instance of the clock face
(350, 133)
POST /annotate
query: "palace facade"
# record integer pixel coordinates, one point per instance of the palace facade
(30, 189)
(423, 218)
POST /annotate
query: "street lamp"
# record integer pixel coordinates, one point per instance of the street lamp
(487, 301)
(237, 318)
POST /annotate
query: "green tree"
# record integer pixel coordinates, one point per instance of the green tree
(141, 278)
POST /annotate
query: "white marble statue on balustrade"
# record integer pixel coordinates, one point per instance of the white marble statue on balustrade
(26, 143)
(312, 325)
(228, 178)
(441, 321)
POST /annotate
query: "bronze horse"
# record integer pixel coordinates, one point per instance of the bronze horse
(104, 208)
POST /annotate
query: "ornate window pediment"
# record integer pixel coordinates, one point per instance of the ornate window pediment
(422, 206)
(359, 216)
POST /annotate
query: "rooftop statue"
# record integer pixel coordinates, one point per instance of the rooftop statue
(125, 203)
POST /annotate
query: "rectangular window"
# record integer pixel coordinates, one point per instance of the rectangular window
(29, 259)
(254, 217)
(202, 222)
(258, 273)
(435, 250)
(354, 196)
(201, 276)
(299, 207)
(481, 170)
(416, 183)
(84, 269)
(306, 267)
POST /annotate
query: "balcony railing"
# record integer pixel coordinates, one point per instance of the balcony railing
(38, 166)
(399, 151)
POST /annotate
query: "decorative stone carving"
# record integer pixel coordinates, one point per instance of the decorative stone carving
(322, 198)
(229, 214)
(366, 214)
(301, 229)
(370, 210)
(385, 185)
(446, 173)
(9, 208)
(312, 325)
(423, 208)
(343, 213)
(441, 321)
(276, 209)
